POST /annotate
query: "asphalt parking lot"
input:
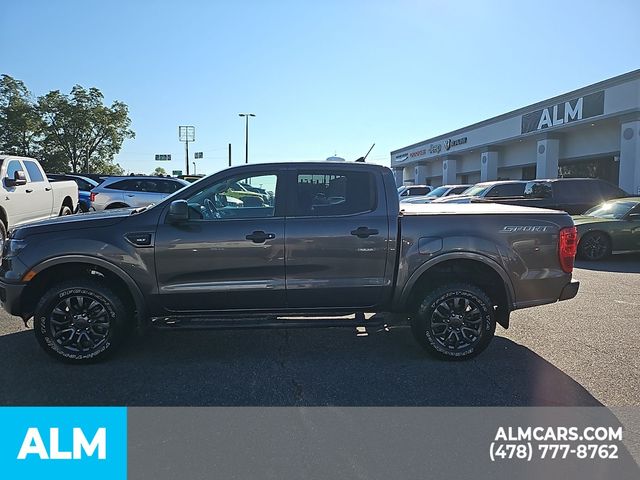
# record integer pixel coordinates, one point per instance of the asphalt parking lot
(583, 352)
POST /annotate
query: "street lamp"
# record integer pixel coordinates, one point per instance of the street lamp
(246, 135)
(194, 167)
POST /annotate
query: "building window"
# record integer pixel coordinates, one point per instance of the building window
(529, 173)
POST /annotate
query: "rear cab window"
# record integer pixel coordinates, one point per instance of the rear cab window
(333, 193)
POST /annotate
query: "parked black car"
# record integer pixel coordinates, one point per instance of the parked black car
(573, 195)
(486, 190)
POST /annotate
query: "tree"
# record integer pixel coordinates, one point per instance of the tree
(80, 128)
(21, 125)
(159, 171)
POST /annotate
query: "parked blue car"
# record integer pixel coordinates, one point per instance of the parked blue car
(85, 185)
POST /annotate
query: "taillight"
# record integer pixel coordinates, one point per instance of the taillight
(567, 247)
(92, 197)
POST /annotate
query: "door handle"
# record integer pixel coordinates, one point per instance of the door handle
(47, 189)
(29, 190)
(130, 195)
(364, 232)
(259, 236)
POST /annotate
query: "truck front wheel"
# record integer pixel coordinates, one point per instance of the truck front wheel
(454, 322)
(80, 321)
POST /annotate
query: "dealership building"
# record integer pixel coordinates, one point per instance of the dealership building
(591, 132)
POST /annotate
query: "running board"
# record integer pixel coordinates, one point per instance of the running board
(203, 323)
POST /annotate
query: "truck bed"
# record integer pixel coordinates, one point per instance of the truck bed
(409, 209)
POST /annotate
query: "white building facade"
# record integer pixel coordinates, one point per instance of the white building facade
(590, 132)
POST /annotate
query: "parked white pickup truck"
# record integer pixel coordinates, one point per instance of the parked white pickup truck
(26, 194)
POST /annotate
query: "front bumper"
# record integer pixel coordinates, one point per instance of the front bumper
(570, 290)
(10, 297)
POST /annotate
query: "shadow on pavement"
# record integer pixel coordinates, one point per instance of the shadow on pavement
(627, 263)
(285, 367)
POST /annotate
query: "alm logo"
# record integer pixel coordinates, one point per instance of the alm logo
(33, 444)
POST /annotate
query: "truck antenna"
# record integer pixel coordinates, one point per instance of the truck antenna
(362, 159)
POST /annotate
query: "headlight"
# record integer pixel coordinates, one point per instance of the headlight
(12, 247)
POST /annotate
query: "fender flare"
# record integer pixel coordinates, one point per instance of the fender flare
(135, 291)
(464, 255)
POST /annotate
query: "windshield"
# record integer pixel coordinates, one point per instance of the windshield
(475, 190)
(438, 192)
(615, 210)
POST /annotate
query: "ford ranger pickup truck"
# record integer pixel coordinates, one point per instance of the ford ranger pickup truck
(328, 239)
(26, 194)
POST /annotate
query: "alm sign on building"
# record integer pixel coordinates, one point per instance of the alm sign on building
(577, 109)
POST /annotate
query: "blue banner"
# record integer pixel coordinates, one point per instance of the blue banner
(63, 442)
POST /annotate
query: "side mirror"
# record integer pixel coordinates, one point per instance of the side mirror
(178, 211)
(17, 180)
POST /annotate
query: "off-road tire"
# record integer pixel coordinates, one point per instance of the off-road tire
(57, 309)
(470, 317)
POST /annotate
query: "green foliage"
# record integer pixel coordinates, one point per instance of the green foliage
(159, 171)
(21, 125)
(82, 128)
(75, 132)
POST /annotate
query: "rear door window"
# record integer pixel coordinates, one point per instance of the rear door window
(577, 191)
(35, 175)
(150, 186)
(169, 186)
(131, 185)
(507, 190)
(418, 191)
(324, 193)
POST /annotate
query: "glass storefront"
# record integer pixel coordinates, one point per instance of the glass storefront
(606, 168)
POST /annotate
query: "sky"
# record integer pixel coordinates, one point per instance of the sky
(322, 77)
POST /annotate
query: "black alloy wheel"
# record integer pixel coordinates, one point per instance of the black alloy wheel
(80, 321)
(455, 321)
(79, 324)
(594, 246)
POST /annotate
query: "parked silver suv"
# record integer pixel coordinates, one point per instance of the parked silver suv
(123, 192)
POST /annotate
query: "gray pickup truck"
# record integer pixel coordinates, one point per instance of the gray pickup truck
(304, 240)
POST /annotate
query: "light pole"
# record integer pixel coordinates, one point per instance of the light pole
(194, 167)
(246, 135)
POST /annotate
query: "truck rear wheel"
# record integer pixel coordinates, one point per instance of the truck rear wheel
(454, 322)
(65, 210)
(80, 321)
(3, 234)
